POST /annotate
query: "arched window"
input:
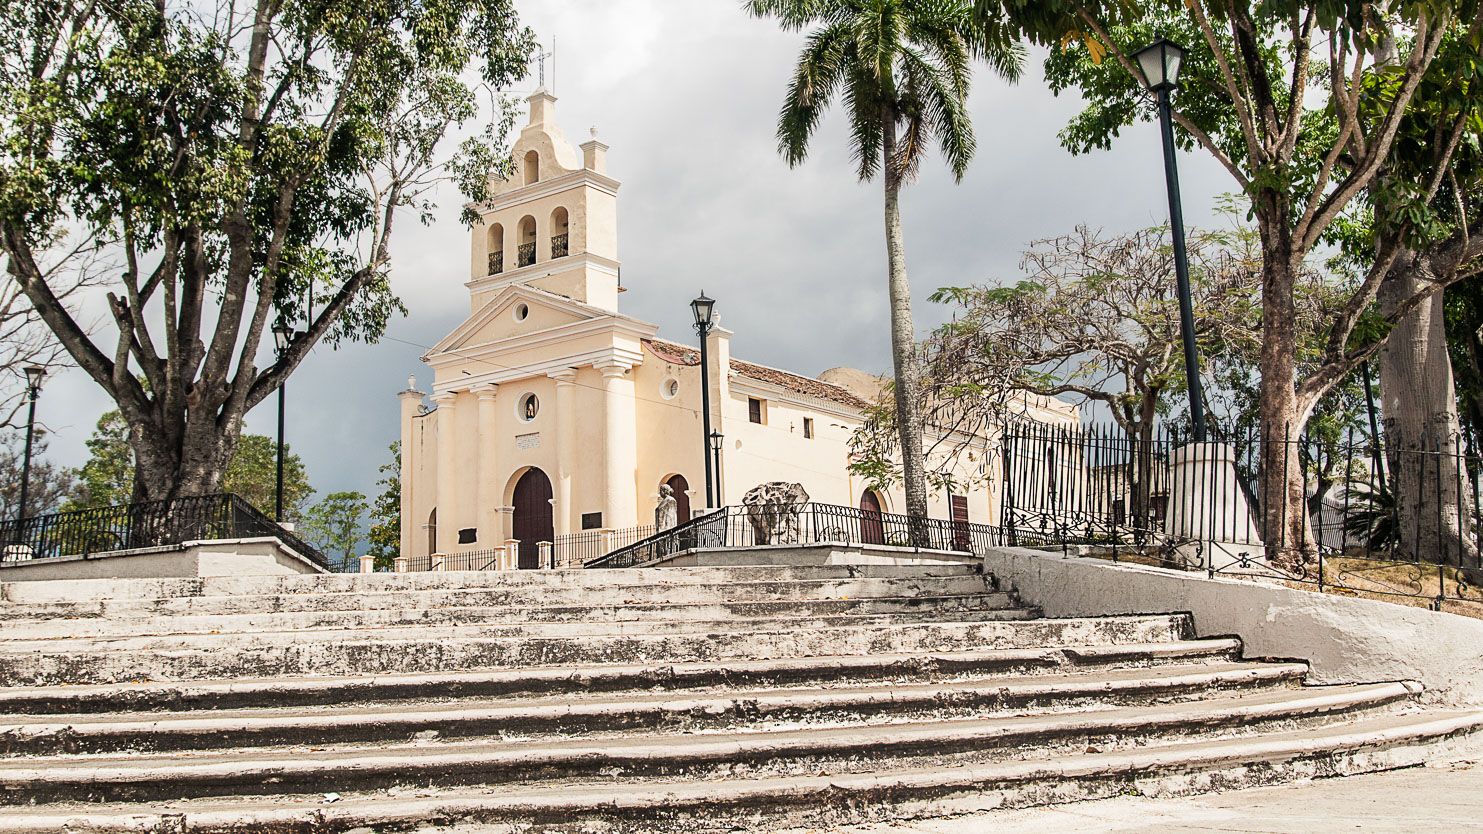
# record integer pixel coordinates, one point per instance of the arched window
(527, 251)
(532, 168)
(559, 233)
(432, 531)
(496, 249)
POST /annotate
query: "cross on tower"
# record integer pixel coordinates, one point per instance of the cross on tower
(541, 57)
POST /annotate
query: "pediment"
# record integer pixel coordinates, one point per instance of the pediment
(518, 310)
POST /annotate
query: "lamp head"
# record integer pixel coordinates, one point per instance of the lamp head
(34, 375)
(1160, 62)
(282, 335)
(703, 308)
(716, 438)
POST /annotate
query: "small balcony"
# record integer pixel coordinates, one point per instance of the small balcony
(496, 262)
(558, 245)
(526, 254)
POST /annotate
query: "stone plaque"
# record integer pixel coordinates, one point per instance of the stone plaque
(525, 442)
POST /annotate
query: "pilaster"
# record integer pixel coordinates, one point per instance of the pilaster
(566, 448)
(448, 515)
(620, 503)
(487, 497)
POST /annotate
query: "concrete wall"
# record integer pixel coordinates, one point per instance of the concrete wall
(1345, 640)
(228, 557)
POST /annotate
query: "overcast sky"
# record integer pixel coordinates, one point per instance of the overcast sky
(686, 93)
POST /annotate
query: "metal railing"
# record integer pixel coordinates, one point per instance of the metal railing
(803, 524)
(558, 245)
(525, 254)
(144, 525)
(1381, 516)
(496, 262)
(580, 548)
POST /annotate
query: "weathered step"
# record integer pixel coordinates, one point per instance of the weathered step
(938, 607)
(820, 799)
(310, 691)
(297, 584)
(511, 594)
(110, 778)
(204, 657)
(631, 712)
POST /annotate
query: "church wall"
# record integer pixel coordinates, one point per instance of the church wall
(776, 450)
(420, 457)
(669, 432)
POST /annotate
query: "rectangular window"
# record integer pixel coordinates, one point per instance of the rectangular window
(754, 409)
(808, 428)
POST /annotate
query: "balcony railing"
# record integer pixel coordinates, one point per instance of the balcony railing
(496, 262)
(558, 245)
(527, 254)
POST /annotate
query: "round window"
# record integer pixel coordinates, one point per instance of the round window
(529, 407)
(521, 311)
(670, 389)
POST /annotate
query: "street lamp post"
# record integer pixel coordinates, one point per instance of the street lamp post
(1160, 62)
(716, 439)
(34, 375)
(704, 309)
(282, 335)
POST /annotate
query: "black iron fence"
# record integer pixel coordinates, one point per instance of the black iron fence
(558, 245)
(525, 254)
(1377, 515)
(496, 262)
(802, 524)
(143, 525)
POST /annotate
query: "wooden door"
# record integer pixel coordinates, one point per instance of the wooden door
(682, 497)
(872, 531)
(533, 522)
(959, 514)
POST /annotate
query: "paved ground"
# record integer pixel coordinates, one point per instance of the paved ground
(1446, 798)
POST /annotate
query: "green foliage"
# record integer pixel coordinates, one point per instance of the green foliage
(385, 536)
(253, 475)
(334, 526)
(51, 487)
(108, 476)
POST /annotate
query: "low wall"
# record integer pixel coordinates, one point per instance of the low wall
(223, 557)
(814, 554)
(1343, 639)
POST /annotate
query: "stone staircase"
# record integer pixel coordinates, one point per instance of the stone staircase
(676, 699)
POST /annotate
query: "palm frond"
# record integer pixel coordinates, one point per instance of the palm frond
(824, 62)
(942, 109)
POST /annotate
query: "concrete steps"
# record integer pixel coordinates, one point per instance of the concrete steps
(694, 699)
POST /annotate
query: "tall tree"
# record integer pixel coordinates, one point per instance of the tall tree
(253, 475)
(234, 160)
(385, 536)
(108, 476)
(1301, 102)
(902, 69)
(334, 524)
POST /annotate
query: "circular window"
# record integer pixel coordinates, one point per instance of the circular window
(521, 311)
(529, 407)
(670, 388)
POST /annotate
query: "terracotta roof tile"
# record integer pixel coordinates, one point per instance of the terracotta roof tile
(684, 355)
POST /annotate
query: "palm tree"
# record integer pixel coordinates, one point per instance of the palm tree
(902, 68)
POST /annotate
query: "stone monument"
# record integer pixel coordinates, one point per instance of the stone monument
(773, 509)
(667, 511)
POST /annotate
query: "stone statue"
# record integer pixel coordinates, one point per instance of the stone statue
(773, 509)
(666, 512)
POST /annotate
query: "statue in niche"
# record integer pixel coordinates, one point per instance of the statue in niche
(666, 512)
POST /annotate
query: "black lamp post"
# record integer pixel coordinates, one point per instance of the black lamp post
(716, 439)
(704, 308)
(282, 335)
(34, 375)
(1160, 62)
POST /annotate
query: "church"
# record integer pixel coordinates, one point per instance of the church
(553, 413)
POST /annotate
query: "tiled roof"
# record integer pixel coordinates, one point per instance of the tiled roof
(683, 355)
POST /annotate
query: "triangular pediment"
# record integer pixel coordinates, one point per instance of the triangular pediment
(520, 310)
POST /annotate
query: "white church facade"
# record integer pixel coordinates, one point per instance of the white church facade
(552, 412)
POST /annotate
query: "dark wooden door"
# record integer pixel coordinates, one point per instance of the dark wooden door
(533, 522)
(682, 497)
(959, 513)
(871, 529)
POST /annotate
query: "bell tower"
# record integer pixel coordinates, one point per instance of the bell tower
(553, 224)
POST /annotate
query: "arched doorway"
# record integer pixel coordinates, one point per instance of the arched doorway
(432, 531)
(682, 497)
(872, 530)
(533, 521)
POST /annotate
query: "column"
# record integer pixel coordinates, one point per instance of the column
(620, 504)
(448, 519)
(488, 488)
(411, 456)
(566, 448)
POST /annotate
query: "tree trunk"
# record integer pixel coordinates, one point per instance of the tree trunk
(903, 335)
(1433, 498)
(1284, 526)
